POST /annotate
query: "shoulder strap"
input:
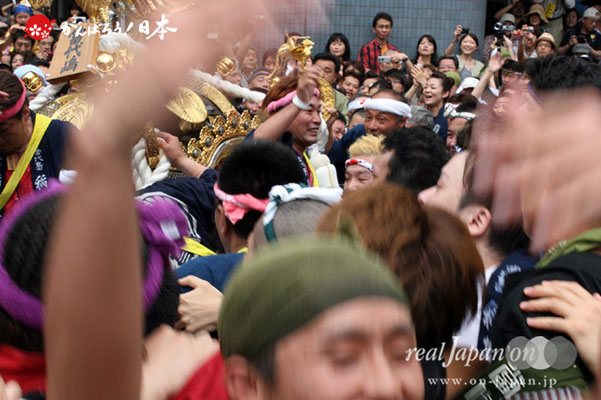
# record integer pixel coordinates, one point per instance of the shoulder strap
(39, 129)
(311, 170)
(197, 248)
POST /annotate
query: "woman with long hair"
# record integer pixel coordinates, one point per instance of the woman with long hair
(426, 51)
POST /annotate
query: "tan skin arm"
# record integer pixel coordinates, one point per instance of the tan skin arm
(278, 123)
(93, 329)
(457, 35)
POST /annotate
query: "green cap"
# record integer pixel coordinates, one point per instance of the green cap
(285, 286)
(454, 76)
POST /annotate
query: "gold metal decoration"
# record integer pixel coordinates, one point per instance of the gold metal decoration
(153, 156)
(49, 108)
(188, 106)
(33, 82)
(217, 98)
(302, 53)
(74, 109)
(218, 137)
(141, 9)
(37, 4)
(326, 95)
(97, 10)
(226, 66)
(105, 62)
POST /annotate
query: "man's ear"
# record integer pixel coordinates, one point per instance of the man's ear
(402, 121)
(477, 218)
(221, 222)
(25, 113)
(373, 30)
(241, 379)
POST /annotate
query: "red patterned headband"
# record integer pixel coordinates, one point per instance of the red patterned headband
(236, 206)
(13, 110)
(360, 162)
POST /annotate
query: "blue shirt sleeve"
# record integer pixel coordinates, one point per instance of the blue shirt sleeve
(214, 269)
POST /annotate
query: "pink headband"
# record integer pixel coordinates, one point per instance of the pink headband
(360, 162)
(236, 206)
(284, 101)
(12, 111)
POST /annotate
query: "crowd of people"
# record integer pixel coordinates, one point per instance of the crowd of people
(458, 219)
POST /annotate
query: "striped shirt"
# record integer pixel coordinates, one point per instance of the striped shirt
(369, 53)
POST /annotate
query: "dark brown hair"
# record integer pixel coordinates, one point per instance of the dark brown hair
(13, 87)
(430, 250)
(286, 85)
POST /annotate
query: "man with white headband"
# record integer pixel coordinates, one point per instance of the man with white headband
(384, 113)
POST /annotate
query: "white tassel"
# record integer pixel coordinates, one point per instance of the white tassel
(228, 87)
(143, 175)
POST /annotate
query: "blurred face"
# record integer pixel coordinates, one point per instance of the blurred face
(385, 66)
(518, 10)
(454, 126)
(13, 134)
(468, 45)
(396, 83)
(357, 349)
(544, 48)
(260, 81)
(252, 108)
(269, 64)
(382, 29)
(357, 119)
(358, 177)
(305, 126)
(589, 24)
(500, 106)
(251, 60)
(433, 93)
(449, 189)
(337, 48)
(17, 61)
(446, 66)
(5, 59)
(328, 70)
(367, 84)
(534, 20)
(234, 78)
(22, 44)
(425, 47)
(21, 18)
(350, 84)
(338, 129)
(572, 19)
(380, 123)
(510, 78)
(46, 47)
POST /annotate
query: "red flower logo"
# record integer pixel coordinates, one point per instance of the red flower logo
(38, 27)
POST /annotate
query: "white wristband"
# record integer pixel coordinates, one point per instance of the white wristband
(300, 104)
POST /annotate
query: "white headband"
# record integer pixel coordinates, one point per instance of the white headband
(390, 106)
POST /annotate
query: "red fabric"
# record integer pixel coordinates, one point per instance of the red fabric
(24, 187)
(24, 367)
(208, 382)
(369, 53)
